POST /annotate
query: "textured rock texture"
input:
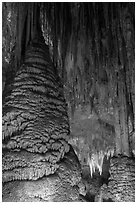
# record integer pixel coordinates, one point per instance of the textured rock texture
(34, 118)
(121, 186)
(37, 161)
(64, 185)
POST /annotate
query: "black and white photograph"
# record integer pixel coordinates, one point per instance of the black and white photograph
(68, 101)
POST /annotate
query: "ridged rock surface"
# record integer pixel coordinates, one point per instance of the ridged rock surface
(35, 123)
(64, 185)
(121, 186)
(38, 163)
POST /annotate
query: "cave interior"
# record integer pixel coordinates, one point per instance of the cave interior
(92, 46)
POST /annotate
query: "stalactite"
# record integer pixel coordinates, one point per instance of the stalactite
(95, 161)
(20, 26)
(28, 34)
